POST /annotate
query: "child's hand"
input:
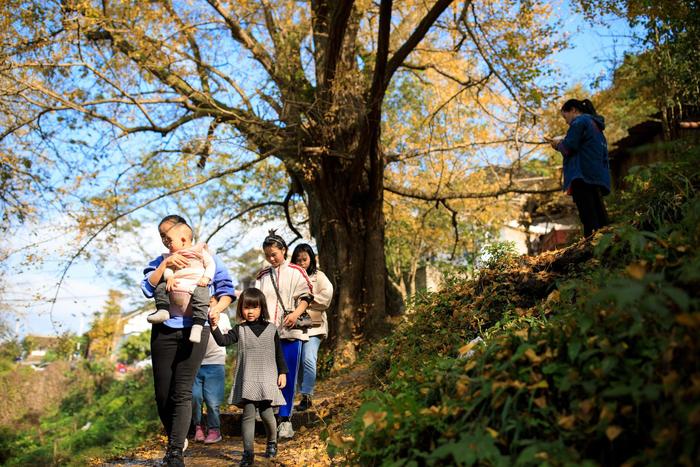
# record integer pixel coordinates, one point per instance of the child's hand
(203, 282)
(282, 381)
(214, 320)
(169, 284)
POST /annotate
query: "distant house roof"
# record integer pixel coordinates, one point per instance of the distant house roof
(686, 117)
(42, 342)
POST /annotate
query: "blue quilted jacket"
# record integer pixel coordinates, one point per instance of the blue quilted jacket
(585, 152)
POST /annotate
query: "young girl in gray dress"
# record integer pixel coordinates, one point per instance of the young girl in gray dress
(260, 370)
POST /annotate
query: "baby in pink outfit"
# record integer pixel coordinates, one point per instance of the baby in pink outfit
(189, 285)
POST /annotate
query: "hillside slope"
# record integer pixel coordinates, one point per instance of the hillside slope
(588, 355)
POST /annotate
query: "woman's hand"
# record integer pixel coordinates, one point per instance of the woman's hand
(291, 319)
(282, 381)
(176, 261)
(553, 141)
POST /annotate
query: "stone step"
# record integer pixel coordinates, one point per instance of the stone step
(231, 422)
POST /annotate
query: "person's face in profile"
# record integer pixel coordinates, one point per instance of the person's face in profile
(163, 230)
(569, 115)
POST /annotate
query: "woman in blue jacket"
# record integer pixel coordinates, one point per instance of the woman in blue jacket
(586, 167)
(175, 359)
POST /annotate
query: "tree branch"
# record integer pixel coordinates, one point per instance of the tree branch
(438, 197)
(414, 39)
(336, 35)
(246, 39)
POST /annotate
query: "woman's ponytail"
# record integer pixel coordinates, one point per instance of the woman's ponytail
(585, 106)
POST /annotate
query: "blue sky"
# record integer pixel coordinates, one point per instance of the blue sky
(593, 52)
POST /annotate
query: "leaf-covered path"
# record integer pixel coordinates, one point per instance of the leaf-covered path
(336, 400)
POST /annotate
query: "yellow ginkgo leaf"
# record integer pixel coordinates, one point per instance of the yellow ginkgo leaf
(370, 417)
(532, 356)
(637, 270)
(566, 421)
(612, 432)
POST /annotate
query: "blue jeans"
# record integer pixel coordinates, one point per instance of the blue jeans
(208, 387)
(309, 356)
(292, 354)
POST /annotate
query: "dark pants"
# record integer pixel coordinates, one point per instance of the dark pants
(199, 302)
(176, 361)
(591, 209)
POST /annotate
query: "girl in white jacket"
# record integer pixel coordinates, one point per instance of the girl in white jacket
(305, 257)
(288, 292)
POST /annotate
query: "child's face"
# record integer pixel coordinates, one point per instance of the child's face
(251, 314)
(303, 260)
(175, 241)
(274, 255)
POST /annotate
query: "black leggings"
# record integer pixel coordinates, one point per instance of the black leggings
(176, 361)
(591, 209)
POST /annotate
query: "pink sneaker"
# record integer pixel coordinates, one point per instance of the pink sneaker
(199, 433)
(214, 436)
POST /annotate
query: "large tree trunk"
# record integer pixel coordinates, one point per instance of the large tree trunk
(349, 233)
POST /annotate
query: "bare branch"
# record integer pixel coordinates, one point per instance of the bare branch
(246, 39)
(241, 214)
(142, 205)
(414, 39)
(418, 194)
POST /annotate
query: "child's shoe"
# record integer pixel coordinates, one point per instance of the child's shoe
(271, 450)
(199, 433)
(214, 436)
(247, 459)
(158, 316)
(196, 333)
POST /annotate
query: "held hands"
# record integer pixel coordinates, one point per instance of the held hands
(214, 320)
(214, 310)
(282, 381)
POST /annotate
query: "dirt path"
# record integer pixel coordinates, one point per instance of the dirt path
(335, 402)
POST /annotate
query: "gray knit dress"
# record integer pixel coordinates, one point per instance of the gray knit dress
(256, 368)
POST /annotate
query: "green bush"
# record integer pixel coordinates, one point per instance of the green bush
(94, 420)
(594, 364)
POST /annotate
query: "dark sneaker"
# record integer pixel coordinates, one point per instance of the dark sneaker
(271, 450)
(305, 403)
(247, 459)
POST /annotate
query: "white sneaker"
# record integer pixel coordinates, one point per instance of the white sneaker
(196, 333)
(285, 430)
(159, 316)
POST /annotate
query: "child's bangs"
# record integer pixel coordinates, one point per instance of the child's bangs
(253, 301)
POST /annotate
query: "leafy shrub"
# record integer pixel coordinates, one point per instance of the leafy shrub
(594, 364)
(93, 420)
(500, 255)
